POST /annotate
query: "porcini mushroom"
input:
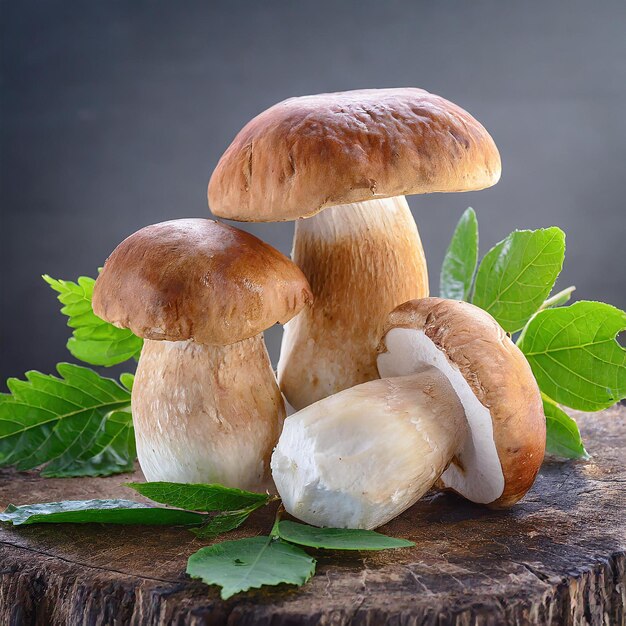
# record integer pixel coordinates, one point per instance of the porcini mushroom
(345, 161)
(206, 406)
(498, 463)
(457, 406)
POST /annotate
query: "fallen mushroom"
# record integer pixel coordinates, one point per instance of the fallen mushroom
(457, 406)
(345, 162)
(498, 464)
(205, 402)
(359, 458)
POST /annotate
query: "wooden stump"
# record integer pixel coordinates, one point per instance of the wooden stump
(557, 557)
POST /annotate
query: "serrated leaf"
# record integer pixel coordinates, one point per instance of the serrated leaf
(55, 421)
(517, 275)
(459, 263)
(113, 452)
(224, 522)
(338, 538)
(98, 511)
(562, 435)
(250, 563)
(94, 341)
(575, 356)
(200, 496)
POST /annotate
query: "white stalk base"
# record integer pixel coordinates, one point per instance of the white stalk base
(359, 458)
(209, 414)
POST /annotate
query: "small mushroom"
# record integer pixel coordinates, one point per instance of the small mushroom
(457, 407)
(345, 161)
(205, 402)
(499, 462)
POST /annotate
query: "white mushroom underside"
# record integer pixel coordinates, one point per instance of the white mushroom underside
(481, 479)
(206, 414)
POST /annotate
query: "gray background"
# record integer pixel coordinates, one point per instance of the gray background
(115, 113)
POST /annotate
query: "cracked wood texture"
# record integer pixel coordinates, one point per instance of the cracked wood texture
(557, 557)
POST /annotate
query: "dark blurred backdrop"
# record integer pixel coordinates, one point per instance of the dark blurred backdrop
(114, 114)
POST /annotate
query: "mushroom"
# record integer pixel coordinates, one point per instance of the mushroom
(457, 407)
(345, 161)
(499, 462)
(205, 402)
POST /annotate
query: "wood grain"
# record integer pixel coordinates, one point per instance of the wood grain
(557, 557)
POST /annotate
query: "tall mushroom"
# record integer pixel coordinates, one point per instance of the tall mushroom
(345, 161)
(205, 402)
(457, 407)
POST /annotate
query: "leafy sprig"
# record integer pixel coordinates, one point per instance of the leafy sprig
(93, 340)
(72, 425)
(79, 424)
(572, 350)
(234, 565)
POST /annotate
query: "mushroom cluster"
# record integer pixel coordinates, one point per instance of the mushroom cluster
(457, 407)
(395, 392)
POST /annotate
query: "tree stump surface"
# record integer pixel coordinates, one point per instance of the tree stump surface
(557, 557)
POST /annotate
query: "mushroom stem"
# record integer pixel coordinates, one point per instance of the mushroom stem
(359, 458)
(361, 260)
(205, 413)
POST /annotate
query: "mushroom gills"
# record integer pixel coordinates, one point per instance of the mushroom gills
(361, 260)
(361, 457)
(476, 472)
(204, 413)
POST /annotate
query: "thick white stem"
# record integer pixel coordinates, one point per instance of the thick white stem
(361, 260)
(359, 458)
(208, 414)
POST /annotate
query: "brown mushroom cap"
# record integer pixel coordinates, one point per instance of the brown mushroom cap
(198, 279)
(496, 372)
(305, 154)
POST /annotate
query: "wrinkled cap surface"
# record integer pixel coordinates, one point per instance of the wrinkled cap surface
(308, 153)
(493, 380)
(198, 279)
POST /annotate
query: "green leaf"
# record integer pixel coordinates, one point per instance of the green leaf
(338, 538)
(558, 299)
(224, 522)
(98, 511)
(128, 380)
(199, 496)
(113, 452)
(575, 356)
(58, 422)
(459, 263)
(250, 563)
(94, 341)
(563, 437)
(517, 275)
